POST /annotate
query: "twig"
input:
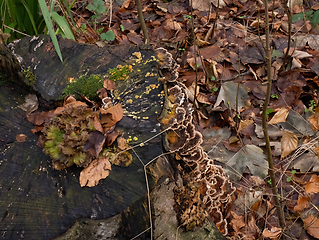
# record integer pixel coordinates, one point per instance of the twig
(16, 30)
(142, 22)
(264, 124)
(285, 59)
(211, 31)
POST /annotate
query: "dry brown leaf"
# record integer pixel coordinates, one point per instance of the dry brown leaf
(237, 222)
(245, 123)
(111, 137)
(289, 143)
(97, 170)
(112, 115)
(95, 143)
(303, 203)
(273, 233)
(280, 116)
(98, 125)
(21, 137)
(122, 144)
(313, 185)
(31, 103)
(109, 85)
(314, 120)
(173, 25)
(311, 224)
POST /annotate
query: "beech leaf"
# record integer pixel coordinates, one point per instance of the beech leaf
(289, 143)
(273, 233)
(311, 224)
(280, 116)
(302, 203)
(313, 185)
(98, 169)
(112, 115)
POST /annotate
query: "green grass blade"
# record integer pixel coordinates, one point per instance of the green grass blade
(30, 16)
(69, 12)
(49, 24)
(63, 24)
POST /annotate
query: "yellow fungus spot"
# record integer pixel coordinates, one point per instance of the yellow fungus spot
(142, 144)
(147, 74)
(136, 96)
(135, 138)
(130, 68)
(145, 117)
(71, 80)
(129, 101)
(138, 70)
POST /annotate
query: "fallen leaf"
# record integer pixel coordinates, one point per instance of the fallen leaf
(21, 137)
(173, 25)
(112, 115)
(314, 120)
(38, 118)
(228, 93)
(245, 123)
(111, 137)
(109, 85)
(95, 143)
(302, 203)
(273, 233)
(280, 116)
(311, 224)
(237, 222)
(31, 103)
(122, 144)
(98, 169)
(98, 125)
(249, 156)
(313, 185)
(122, 159)
(289, 143)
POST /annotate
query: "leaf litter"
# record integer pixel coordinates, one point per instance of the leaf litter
(235, 47)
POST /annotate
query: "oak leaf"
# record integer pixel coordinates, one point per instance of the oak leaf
(97, 170)
(289, 143)
(280, 116)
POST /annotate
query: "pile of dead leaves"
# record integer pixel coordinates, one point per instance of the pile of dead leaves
(80, 132)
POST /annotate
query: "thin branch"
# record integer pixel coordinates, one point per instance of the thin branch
(264, 125)
(142, 22)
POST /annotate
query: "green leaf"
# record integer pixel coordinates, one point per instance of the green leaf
(30, 16)
(297, 17)
(315, 18)
(122, 28)
(108, 36)
(63, 24)
(49, 24)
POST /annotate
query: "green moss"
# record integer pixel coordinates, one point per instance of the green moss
(88, 86)
(120, 72)
(30, 76)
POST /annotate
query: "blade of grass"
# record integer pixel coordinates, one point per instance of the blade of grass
(69, 12)
(49, 24)
(30, 17)
(63, 24)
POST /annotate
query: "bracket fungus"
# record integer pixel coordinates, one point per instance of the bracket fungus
(207, 189)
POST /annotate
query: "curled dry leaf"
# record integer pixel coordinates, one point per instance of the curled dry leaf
(237, 222)
(112, 115)
(122, 144)
(280, 116)
(313, 185)
(31, 103)
(97, 170)
(21, 137)
(109, 85)
(303, 203)
(289, 143)
(273, 233)
(311, 224)
(314, 120)
(98, 125)
(95, 143)
(245, 123)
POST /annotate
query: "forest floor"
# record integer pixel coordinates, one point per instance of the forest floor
(227, 67)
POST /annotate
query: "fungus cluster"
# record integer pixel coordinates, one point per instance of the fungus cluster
(206, 184)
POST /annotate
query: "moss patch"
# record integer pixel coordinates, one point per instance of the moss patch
(88, 86)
